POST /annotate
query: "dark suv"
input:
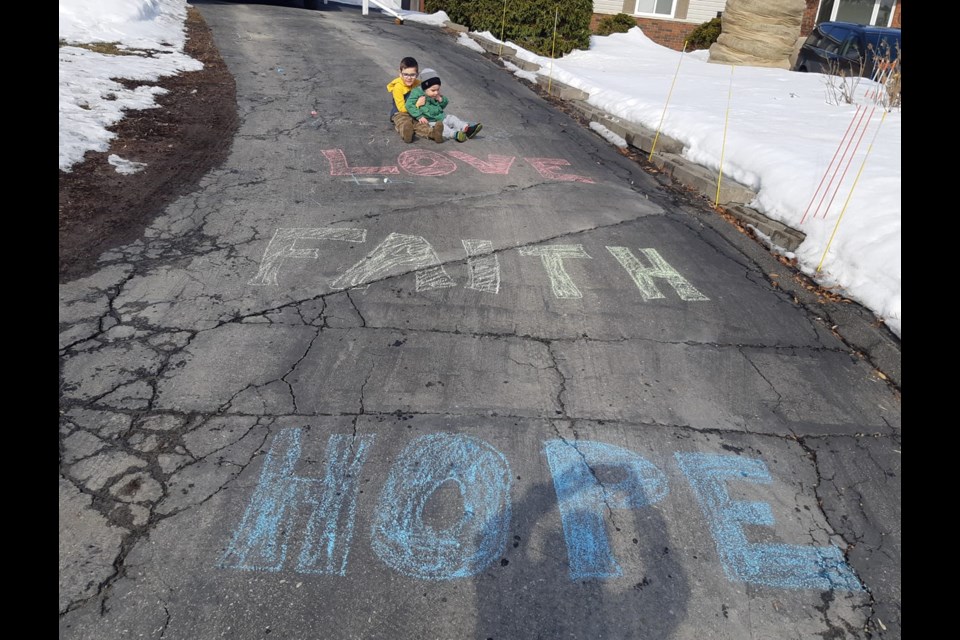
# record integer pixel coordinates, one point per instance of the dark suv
(850, 49)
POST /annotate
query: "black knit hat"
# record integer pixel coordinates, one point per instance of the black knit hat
(428, 78)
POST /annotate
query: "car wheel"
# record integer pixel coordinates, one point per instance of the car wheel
(313, 5)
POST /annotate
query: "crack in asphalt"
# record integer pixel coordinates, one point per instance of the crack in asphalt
(294, 366)
(720, 431)
(166, 622)
(840, 532)
(363, 321)
(111, 294)
(593, 472)
(202, 424)
(225, 406)
(833, 630)
(527, 364)
(241, 467)
(150, 379)
(104, 589)
(760, 373)
(80, 602)
(362, 411)
(562, 386)
(587, 339)
(348, 291)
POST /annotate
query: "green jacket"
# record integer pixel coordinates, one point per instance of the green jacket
(432, 110)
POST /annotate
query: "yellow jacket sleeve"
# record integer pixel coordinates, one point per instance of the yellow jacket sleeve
(399, 92)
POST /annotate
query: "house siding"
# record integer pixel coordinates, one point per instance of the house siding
(610, 7)
(686, 10)
(702, 10)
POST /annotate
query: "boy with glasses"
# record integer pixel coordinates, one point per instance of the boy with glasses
(399, 89)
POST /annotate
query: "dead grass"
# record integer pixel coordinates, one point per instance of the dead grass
(109, 48)
(842, 87)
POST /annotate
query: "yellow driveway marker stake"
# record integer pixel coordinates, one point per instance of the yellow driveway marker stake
(553, 49)
(669, 93)
(723, 146)
(503, 25)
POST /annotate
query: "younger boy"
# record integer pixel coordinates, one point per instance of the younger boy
(431, 112)
(399, 89)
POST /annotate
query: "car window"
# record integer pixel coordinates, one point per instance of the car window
(815, 39)
(826, 28)
(835, 38)
(852, 49)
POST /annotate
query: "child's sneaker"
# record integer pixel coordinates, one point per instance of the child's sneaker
(460, 136)
(406, 130)
(473, 129)
(436, 134)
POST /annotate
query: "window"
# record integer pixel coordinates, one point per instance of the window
(856, 11)
(659, 8)
(878, 13)
(825, 14)
(884, 16)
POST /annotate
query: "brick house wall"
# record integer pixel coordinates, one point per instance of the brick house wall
(668, 33)
(809, 17)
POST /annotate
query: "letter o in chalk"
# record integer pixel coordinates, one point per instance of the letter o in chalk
(421, 162)
(407, 544)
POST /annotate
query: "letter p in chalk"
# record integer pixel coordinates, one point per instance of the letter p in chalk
(584, 500)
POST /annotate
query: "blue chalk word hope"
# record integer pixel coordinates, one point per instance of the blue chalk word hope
(444, 511)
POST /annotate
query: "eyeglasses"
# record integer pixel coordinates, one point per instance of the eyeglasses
(409, 75)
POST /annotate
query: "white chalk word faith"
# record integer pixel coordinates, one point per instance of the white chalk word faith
(401, 253)
(306, 524)
(422, 162)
